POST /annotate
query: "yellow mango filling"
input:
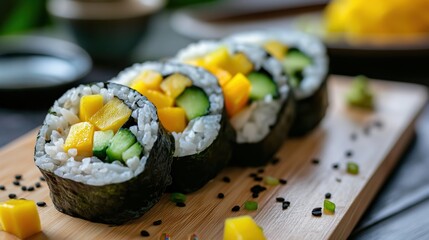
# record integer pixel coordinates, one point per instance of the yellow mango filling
(159, 99)
(173, 118)
(89, 104)
(242, 228)
(276, 49)
(175, 84)
(20, 218)
(236, 93)
(111, 116)
(149, 79)
(80, 137)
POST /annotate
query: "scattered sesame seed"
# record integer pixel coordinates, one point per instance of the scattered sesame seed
(378, 124)
(317, 212)
(18, 177)
(181, 204)
(16, 183)
(261, 170)
(280, 199)
(283, 181)
(338, 179)
(257, 189)
(236, 208)
(30, 189)
(349, 153)
(255, 195)
(353, 136)
(2, 187)
(12, 196)
(24, 188)
(315, 161)
(157, 222)
(335, 166)
(285, 205)
(275, 160)
(253, 175)
(37, 185)
(220, 195)
(367, 130)
(226, 179)
(41, 204)
(42, 179)
(257, 179)
(328, 195)
(144, 233)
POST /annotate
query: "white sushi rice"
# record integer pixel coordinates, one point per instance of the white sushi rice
(200, 132)
(253, 123)
(49, 150)
(314, 74)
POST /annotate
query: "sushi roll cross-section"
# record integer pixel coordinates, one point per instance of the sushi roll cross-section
(258, 99)
(190, 106)
(104, 154)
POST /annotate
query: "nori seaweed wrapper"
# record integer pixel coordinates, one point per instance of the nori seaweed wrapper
(115, 203)
(191, 172)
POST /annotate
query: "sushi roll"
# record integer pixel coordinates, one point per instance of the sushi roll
(258, 100)
(103, 153)
(305, 60)
(190, 105)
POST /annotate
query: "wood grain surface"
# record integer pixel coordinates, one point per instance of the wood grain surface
(376, 149)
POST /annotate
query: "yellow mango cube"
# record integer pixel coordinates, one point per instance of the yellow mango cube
(173, 118)
(242, 228)
(174, 84)
(111, 116)
(276, 49)
(239, 63)
(159, 99)
(20, 218)
(236, 93)
(222, 75)
(80, 137)
(199, 62)
(139, 86)
(218, 58)
(149, 79)
(89, 104)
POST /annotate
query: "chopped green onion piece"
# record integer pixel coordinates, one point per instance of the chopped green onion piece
(251, 205)
(329, 206)
(352, 168)
(178, 197)
(272, 181)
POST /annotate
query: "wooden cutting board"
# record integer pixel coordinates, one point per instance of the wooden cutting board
(376, 149)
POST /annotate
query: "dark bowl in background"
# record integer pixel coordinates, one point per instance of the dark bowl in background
(109, 30)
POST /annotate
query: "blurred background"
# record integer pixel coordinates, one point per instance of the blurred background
(47, 46)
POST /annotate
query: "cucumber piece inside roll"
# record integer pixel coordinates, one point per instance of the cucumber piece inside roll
(262, 85)
(101, 142)
(122, 140)
(295, 63)
(195, 102)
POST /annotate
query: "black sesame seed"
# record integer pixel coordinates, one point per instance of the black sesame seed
(144, 233)
(275, 160)
(367, 130)
(280, 199)
(261, 170)
(353, 136)
(236, 208)
(253, 175)
(220, 195)
(257, 189)
(255, 195)
(30, 189)
(16, 183)
(257, 179)
(157, 222)
(12, 196)
(24, 188)
(317, 212)
(338, 179)
(18, 177)
(2, 187)
(335, 166)
(283, 181)
(180, 204)
(42, 179)
(349, 153)
(226, 179)
(41, 204)
(328, 195)
(315, 161)
(378, 124)
(285, 205)
(37, 184)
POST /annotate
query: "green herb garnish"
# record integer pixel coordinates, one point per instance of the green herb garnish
(251, 205)
(178, 197)
(329, 206)
(271, 181)
(360, 94)
(352, 168)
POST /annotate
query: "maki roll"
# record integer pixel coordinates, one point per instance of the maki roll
(191, 107)
(305, 60)
(258, 100)
(104, 154)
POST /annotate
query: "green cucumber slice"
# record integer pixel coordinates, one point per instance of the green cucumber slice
(122, 140)
(294, 63)
(262, 85)
(134, 151)
(194, 101)
(101, 142)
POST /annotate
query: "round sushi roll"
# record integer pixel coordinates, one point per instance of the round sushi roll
(191, 107)
(304, 58)
(104, 154)
(258, 99)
